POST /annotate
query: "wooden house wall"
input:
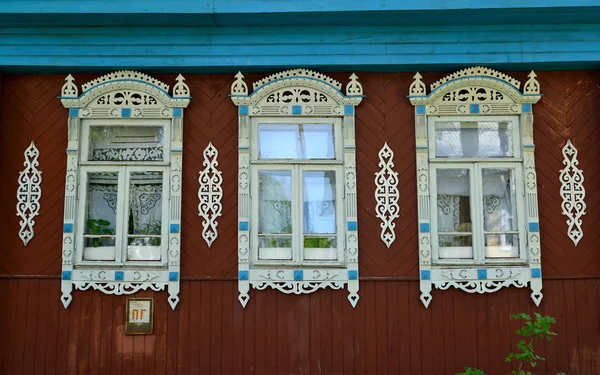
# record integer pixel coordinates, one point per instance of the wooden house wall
(390, 332)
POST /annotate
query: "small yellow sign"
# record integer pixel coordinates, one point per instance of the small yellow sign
(140, 316)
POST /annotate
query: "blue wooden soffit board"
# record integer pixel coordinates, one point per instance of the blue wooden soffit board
(364, 48)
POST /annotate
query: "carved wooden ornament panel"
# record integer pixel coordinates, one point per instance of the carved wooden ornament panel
(387, 195)
(572, 192)
(29, 193)
(210, 194)
(126, 97)
(476, 91)
(298, 93)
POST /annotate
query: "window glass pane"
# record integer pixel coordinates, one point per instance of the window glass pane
(319, 215)
(100, 216)
(473, 139)
(319, 201)
(500, 213)
(126, 143)
(144, 221)
(296, 141)
(275, 215)
(455, 236)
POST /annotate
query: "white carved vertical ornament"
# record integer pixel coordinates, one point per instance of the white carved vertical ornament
(386, 195)
(210, 194)
(29, 193)
(572, 192)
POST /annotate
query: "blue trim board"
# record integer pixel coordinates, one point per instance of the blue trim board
(243, 274)
(425, 275)
(267, 48)
(119, 275)
(536, 273)
(352, 275)
(482, 273)
(243, 225)
(424, 227)
(66, 275)
(67, 228)
(173, 276)
(174, 228)
(177, 112)
(298, 275)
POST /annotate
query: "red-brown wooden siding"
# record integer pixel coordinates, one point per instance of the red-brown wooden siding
(390, 332)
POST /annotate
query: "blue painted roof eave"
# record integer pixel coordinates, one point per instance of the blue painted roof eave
(28, 13)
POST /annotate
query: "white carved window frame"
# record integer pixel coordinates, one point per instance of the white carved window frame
(476, 93)
(310, 97)
(135, 99)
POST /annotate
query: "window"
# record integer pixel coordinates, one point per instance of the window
(123, 203)
(297, 184)
(121, 229)
(299, 192)
(476, 174)
(476, 183)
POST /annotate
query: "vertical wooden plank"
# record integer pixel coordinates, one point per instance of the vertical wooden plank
(83, 339)
(52, 320)
(268, 299)
(107, 326)
(392, 326)
(161, 317)
(118, 317)
(482, 331)
(138, 353)
(20, 324)
(446, 299)
(492, 335)
(283, 339)
(327, 332)
(404, 326)
(347, 333)
(9, 325)
(172, 331)
(437, 345)
(426, 339)
(216, 327)
(205, 331)
(337, 350)
(381, 327)
(30, 328)
(585, 326)
(572, 329)
(550, 352)
(315, 333)
(468, 314)
(194, 305)
(359, 338)
(96, 333)
(44, 323)
(415, 329)
(460, 333)
(368, 293)
(183, 336)
(227, 335)
(239, 322)
(62, 338)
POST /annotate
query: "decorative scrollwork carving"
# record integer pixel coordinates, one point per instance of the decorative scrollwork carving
(29, 193)
(121, 75)
(480, 286)
(210, 194)
(474, 94)
(386, 195)
(298, 287)
(118, 288)
(474, 72)
(572, 192)
(297, 73)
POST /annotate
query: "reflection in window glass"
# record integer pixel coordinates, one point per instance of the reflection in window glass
(455, 232)
(126, 143)
(275, 215)
(473, 139)
(99, 233)
(145, 216)
(500, 213)
(296, 141)
(319, 215)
